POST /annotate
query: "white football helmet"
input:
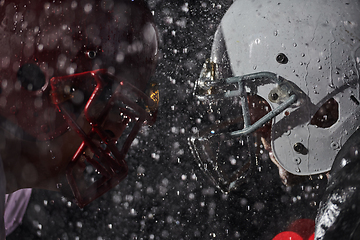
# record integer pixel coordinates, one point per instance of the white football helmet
(287, 67)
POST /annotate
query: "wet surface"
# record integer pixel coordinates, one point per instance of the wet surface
(165, 195)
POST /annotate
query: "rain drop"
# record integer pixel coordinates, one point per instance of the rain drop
(88, 8)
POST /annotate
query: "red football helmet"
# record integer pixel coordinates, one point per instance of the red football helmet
(63, 59)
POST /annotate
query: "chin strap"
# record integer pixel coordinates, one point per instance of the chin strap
(339, 213)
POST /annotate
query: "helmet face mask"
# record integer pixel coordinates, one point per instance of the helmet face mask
(238, 118)
(303, 65)
(79, 68)
(119, 104)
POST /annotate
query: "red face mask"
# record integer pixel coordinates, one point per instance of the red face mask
(67, 62)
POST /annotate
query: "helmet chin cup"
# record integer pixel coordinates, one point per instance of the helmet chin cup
(99, 165)
(225, 145)
(227, 173)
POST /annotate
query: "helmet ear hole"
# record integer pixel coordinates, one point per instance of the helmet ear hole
(327, 115)
(31, 77)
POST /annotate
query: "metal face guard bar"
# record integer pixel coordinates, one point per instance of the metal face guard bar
(208, 89)
(288, 101)
(107, 160)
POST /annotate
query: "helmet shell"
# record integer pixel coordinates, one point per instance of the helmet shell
(320, 40)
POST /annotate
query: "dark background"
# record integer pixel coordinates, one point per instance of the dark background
(165, 195)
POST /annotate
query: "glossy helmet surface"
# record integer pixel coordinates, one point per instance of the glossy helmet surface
(288, 67)
(61, 59)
